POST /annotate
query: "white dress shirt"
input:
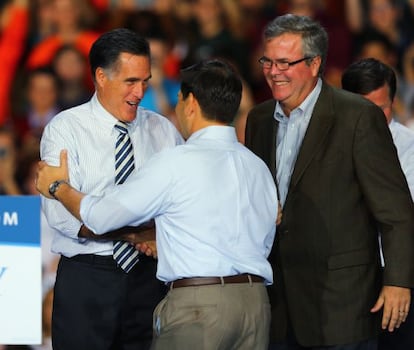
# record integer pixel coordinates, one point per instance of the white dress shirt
(404, 142)
(214, 204)
(87, 132)
(403, 138)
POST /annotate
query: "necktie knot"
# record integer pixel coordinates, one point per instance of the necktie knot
(121, 127)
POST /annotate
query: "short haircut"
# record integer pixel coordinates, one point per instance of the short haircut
(107, 48)
(367, 75)
(314, 36)
(217, 87)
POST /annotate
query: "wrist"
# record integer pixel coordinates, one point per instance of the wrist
(54, 187)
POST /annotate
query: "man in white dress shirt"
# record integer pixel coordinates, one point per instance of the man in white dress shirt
(215, 207)
(377, 82)
(97, 305)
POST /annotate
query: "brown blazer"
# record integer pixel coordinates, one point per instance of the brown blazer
(346, 186)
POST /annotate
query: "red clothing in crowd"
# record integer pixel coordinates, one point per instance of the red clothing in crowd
(43, 53)
(12, 46)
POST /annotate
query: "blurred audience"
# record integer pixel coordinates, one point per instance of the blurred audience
(40, 104)
(73, 22)
(381, 16)
(13, 33)
(41, 23)
(407, 85)
(162, 93)
(8, 163)
(212, 34)
(72, 72)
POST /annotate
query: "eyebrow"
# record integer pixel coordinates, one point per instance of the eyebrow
(134, 79)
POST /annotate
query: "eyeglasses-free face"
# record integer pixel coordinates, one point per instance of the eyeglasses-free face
(267, 63)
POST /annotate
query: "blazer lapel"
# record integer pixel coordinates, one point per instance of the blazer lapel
(319, 126)
(273, 130)
(263, 138)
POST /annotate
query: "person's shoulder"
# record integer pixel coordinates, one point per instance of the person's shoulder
(261, 114)
(147, 116)
(342, 95)
(402, 133)
(263, 107)
(157, 125)
(346, 104)
(71, 116)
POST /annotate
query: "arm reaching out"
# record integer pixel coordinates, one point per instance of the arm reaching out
(71, 199)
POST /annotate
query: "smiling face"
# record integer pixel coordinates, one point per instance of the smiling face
(121, 90)
(290, 87)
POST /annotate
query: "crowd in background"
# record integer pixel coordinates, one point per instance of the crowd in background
(44, 47)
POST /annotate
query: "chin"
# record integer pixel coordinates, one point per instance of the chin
(129, 118)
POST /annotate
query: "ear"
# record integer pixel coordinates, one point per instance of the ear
(100, 76)
(315, 65)
(190, 105)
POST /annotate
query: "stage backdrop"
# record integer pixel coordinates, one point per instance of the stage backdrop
(20, 270)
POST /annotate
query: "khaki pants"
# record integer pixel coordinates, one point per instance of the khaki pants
(215, 317)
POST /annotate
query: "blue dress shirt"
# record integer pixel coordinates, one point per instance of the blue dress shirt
(290, 134)
(214, 204)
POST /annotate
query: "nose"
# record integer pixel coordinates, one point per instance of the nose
(139, 89)
(274, 69)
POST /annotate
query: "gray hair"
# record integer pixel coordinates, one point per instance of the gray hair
(314, 36)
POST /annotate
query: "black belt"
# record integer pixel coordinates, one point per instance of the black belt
(93, 259)
(206, 281)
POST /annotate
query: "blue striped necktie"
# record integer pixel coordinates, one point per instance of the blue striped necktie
(125, 254)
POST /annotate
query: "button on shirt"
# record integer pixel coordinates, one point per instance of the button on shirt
(87, 132)
(214, 203)
(290, 134)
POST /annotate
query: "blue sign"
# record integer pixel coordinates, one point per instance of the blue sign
(20, 220)
(20, 270)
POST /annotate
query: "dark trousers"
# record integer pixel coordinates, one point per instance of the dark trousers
(97, 306)
(402, 338)
(365, 345)
(291, 344)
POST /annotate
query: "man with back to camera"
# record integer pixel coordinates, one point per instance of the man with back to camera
(377, 82)
(215, 207)
(100, 303)
(328, 150)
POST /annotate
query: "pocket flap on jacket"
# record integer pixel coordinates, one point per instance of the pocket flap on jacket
(349, 259)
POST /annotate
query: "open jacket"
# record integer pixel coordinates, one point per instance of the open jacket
(346, 187)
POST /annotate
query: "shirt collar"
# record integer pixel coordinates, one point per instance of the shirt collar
(216, 132)
(106, 119)
(305, 108)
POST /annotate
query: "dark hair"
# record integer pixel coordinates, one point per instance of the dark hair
(216, 86)
(67, 48)
(314, 36)
(367, 75)
(107, 48)
(371, 36)
(42, 70)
